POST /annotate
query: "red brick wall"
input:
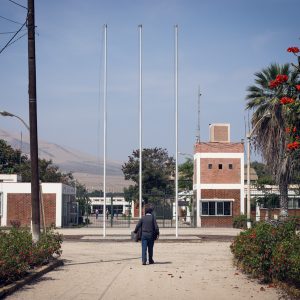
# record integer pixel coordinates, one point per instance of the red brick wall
(224, 175)
(272, 212)
(49, 201)
(216, 221)
(221, 221)
(136, 211)
(19, 209)
(219, 133)
(219, 148)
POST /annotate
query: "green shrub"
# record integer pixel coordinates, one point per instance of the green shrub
(286, 260)
(48, 244)
(269, 252)
(15, 250)
(240, 222)
(18, 253)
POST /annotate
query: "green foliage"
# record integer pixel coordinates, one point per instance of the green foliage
(269, 200)
(158, 170)
(130, 193)
(263, 173)
(269, 252)
(10, 159)
(18, 253)
(186, 172)
(83, 199)
(96, 193)
(240, 222)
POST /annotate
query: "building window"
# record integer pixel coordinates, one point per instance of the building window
(210, 166)
(220, 166)
(1, 203)
(212, 208)
(294, 203)
(230, 166)
(216, 208)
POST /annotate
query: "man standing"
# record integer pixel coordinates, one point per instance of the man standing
(150, 232)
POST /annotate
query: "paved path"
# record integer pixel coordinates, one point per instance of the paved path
(98, 270)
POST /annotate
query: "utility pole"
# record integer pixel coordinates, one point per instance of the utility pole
(35, 199)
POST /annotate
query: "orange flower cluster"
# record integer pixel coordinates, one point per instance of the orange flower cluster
(288, 129)
(293, 49)
(294, 145)
(286, 100)
(278, 80)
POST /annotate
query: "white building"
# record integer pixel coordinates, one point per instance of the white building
(58, 203)
(118, 205)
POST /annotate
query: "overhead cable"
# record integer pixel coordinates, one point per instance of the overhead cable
(17, 4)
(16, 39)
(9, 42)
(10, 32)
(7, 19)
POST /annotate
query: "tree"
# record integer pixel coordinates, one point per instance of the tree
(96, 193)
(158, 173)
(10, 159)
(186, 172)
(263, 173)
(268, 117)
(83, 199)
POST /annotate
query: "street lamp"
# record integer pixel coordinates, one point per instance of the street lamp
(249, 135)
(8, 114)
(35, 192)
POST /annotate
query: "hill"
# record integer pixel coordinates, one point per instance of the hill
(86, 168)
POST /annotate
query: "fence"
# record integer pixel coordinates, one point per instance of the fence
(164, 212)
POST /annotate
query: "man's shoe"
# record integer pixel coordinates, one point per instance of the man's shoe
(151, 262)
(144, 263)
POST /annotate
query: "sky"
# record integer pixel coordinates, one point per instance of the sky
(221, 44)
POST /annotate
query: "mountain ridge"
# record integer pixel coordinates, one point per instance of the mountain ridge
(86, 168)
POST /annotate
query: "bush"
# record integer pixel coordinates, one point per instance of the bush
(18, 253)
(269, 252)
(240, 222)
(15, 250)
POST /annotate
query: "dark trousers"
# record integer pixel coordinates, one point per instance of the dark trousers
(147, 242)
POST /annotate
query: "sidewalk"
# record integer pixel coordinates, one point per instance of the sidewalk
(108, 271)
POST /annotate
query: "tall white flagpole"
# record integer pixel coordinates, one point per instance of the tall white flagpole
(104, 128)
(140, 117)
(176, 127)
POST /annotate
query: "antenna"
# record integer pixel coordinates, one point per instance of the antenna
(198, 126)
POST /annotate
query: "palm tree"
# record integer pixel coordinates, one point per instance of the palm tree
(269, 117)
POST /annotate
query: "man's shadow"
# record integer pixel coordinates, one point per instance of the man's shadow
(162, 263)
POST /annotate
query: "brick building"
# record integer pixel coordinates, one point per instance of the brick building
(219, 178)
(59, 205)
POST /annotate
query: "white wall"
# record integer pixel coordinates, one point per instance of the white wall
(25, 188)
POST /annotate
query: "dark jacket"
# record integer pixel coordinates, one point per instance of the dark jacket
(149, 226)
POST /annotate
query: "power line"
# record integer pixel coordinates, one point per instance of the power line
(10, 32)
(16, 39)
(17, 4)
(9, 42)
(10, 20)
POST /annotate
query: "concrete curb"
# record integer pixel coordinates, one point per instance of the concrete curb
(34, 274)
(162, 239)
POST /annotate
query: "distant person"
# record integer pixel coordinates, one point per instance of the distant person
(96, 213)
(107, 213)
(150, 232)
